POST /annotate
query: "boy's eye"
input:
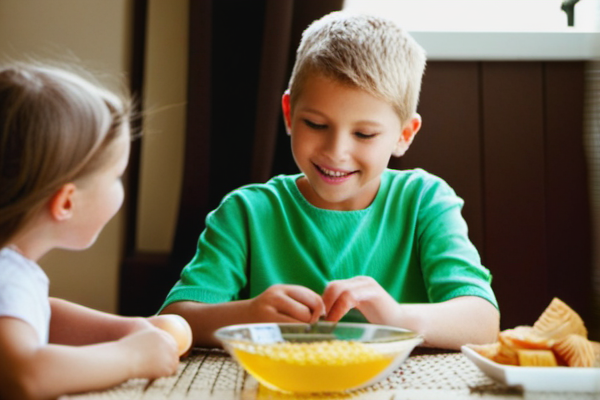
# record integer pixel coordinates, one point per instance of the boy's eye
(313, 125)
(361, 135)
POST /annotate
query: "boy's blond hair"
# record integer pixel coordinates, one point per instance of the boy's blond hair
(363, 51)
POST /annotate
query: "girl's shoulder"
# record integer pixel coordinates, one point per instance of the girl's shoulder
(11, 259)
(14, 265)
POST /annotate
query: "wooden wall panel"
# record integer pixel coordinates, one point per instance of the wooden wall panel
(508, 137)
(568, 219)
(449, 144)
(514, 193)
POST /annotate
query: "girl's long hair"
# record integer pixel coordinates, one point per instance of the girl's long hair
(54, 128)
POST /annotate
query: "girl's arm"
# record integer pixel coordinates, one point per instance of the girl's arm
(30, 371)
(74, 324)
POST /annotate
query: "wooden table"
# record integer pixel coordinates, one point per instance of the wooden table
(213, 374)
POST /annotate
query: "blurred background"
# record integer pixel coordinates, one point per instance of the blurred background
(510, 104)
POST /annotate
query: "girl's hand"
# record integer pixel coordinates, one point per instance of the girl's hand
(154, 353)
(287, 303)
(362, 293)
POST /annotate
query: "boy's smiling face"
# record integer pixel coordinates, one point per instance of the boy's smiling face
(342, 140)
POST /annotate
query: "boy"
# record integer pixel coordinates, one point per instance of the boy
(347, 237)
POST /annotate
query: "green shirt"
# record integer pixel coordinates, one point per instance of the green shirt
(412, 240)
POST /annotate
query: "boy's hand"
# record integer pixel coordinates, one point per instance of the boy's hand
(287, 303)
(154, 353)
(363, 293)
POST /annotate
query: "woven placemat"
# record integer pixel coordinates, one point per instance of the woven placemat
(213, 374)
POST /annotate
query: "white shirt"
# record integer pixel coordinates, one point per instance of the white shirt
(24, 292)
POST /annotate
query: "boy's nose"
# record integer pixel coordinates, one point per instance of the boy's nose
(337, 147)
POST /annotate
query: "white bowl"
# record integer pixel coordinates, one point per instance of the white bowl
(324, 357)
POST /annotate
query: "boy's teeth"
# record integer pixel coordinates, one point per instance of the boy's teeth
(335, 174)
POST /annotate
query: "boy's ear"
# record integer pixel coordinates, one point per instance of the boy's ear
(408, 134)
(287, 111)
(61, 204)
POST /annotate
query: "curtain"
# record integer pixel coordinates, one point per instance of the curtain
(241, 54)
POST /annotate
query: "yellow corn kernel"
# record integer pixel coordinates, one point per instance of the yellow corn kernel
(335, 352)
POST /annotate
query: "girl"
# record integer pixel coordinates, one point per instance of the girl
(64, 145)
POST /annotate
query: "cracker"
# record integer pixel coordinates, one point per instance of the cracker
(558, 321)
(536, 358)
(576, 351)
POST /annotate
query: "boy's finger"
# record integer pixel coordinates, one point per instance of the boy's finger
(294, 310)
(340, 299)
(285, 318)
(317, 314)
(309, 299)
(331, 294)
(337, 311)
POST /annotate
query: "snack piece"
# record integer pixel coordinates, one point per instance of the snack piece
(558, 337)
(524, 337)
(576, 350)
(507, 355)
(497, 352)
(489, 350)
(559, 320)
(536, 358)
(521, 337)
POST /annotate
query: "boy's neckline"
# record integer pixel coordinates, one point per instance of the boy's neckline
(305, 201)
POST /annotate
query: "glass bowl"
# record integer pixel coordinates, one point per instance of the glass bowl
(322, 357)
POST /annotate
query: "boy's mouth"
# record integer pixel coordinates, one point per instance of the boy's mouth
(333, 174)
